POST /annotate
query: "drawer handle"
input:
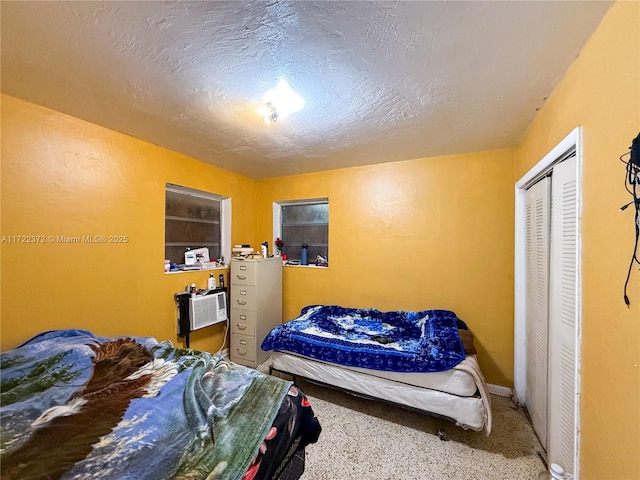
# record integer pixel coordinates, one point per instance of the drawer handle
(243, 342)
(241, 326)
(241, 302)
(241, 277)
(241, 351)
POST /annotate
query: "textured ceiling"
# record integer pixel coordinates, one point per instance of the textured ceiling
(383, 81)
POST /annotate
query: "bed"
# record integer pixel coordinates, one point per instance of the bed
(75, 406)
(424, 360)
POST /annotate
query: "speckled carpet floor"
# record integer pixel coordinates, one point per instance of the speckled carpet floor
(365, 439)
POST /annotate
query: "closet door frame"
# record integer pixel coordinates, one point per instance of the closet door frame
(571, 141)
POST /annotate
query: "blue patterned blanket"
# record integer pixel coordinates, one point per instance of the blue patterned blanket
(400, 341)
(75, 405)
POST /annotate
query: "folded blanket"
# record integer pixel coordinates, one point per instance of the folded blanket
(400, 341)
(471, 366)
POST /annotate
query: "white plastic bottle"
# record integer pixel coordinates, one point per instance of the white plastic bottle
(211, 282)
(557, 472)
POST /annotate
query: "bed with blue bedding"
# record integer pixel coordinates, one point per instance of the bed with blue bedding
(420, 359)
(75, 405)
(426, 341)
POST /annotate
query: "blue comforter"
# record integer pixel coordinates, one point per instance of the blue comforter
(400, 341)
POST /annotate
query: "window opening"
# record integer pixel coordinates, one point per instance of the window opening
(304, 222)
(193, 220)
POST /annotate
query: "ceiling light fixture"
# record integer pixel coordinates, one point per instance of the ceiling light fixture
(280, 102)
(269, 113)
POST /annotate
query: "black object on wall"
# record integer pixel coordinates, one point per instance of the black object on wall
(632, 183)
(182, 299)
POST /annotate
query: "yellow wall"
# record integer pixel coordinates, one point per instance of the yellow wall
(426, 233)
(63, 176)
(601, 92)
(413, 235)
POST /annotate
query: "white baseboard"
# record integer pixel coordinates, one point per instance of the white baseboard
(499, 390)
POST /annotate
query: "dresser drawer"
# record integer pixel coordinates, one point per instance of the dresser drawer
(243, 297)
(243, 322)
(243, 273)
(243, 347)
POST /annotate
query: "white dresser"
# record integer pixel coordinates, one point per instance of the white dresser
(256, 307)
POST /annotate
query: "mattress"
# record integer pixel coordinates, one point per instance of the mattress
(466, 411)
(456, 382)
(451, 381)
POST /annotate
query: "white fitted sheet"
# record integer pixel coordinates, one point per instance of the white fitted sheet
(467, 411)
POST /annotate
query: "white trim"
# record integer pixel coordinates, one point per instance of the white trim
(192, 192)
(578, 338)
(225, 230)
(499, 390)
(306, 201)
(574, 139)
(277, 222)
(520, 332)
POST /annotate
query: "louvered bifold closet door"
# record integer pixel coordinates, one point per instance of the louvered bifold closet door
(563, 316)
(537, 223)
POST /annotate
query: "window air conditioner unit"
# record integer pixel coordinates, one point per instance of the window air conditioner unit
(206, 310)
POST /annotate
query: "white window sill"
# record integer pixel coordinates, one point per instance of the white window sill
(196, 271)
(306, 266)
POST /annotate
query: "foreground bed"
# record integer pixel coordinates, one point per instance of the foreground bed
(79, 406)
(415, 359)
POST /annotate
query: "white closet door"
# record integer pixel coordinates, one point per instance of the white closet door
(562, 316)
(537, 224)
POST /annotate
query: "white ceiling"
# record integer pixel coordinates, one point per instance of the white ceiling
(383, 81)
